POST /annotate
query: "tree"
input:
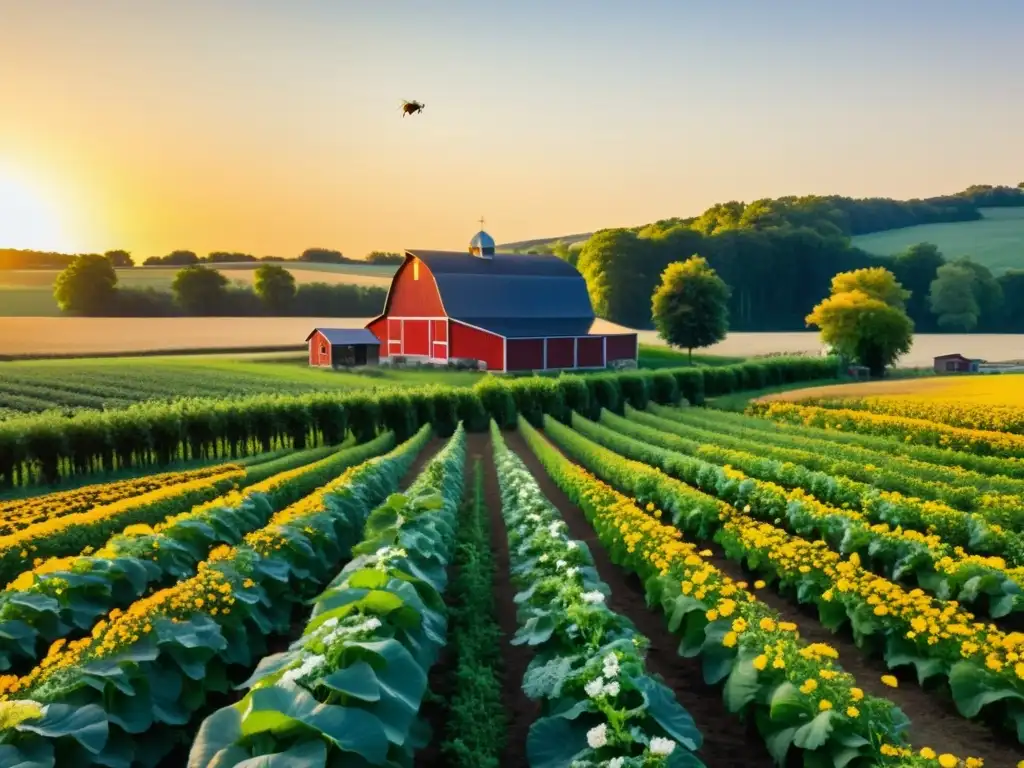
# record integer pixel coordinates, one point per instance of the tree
(691, 306)
(87, 286)
(861, 326)
(120, 259)
(199, 290)
(953, 298)
(322, 256)
(877, 282)
(275, 287)
(384, 257)
(916, 268)
(987, 292)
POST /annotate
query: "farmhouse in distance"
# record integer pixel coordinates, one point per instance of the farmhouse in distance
(501, 312)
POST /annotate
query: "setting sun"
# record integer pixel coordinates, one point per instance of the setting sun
(27, 218)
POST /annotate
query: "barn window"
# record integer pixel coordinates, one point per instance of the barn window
(323, 349)
(416, 270)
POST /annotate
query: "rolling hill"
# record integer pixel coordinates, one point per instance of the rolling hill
(997, 240)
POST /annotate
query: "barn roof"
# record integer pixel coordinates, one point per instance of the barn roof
(346, 336)
(508, 287)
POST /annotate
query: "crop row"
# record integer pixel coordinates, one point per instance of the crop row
(994, 467)
(901, 554)
(981, 663)
(982, 442)
(991, 417)
(121, 694)
(475, 721)
(799, 696)
(964, 490)
(598, 703)
(21, 513)
(50, 447)
(64, 595)
(973, 531)
(352, 685)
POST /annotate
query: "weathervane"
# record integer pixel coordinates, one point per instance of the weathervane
(481, 223)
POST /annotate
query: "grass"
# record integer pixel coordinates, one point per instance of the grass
(29, 292)
(997, 241)
(738, 401)
(652, 356)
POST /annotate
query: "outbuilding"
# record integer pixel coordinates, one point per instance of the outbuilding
(506, 312)
(955, 363)
(342, 347)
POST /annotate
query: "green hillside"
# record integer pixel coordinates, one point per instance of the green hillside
(997, 241)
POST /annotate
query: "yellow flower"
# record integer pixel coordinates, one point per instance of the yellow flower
(852, 712)
(927, 753)
(891, 681)
(824, 704)
(729, 640)
(712, 615)
(857, 694)
(760, 662)
(948, 761)
(759, 584)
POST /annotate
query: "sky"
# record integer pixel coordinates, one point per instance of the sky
(268, 127)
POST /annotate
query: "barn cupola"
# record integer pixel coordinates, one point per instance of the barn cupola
(482, 244)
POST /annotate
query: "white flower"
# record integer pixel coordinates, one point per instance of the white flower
(544, 558)
(554, 527)
(597, 736)
(612, 689)
(561, 564)
(616, 762)
(533, 517)
(593, 598)
(660, 746)
(611, 665)
(594, 687)
(371, 624)
(571, 572)
(572, 545)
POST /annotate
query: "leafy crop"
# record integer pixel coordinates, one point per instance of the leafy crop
(599, 702)
(141, 674)
(351, 686)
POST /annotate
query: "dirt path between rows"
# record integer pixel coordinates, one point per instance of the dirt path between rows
(728, 742)
(520, 710)
(934, 720)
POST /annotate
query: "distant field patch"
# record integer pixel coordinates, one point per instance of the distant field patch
(997, 241)
(29, 292)
(994, 389)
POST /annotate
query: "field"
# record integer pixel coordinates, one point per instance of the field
(1000, 389)
(997, 241)
(29, 292)
(116, 382)
(637, 584)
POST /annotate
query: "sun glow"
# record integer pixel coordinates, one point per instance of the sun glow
(27, 217)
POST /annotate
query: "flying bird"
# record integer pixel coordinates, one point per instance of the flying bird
(411, 107)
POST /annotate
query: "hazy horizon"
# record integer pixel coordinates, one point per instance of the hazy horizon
(269, 128)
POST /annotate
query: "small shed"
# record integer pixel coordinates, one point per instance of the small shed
(342, 347)
(955, 363)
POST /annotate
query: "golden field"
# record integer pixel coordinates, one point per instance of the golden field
(993, 389)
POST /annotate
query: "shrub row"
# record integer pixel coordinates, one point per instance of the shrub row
(49, 447)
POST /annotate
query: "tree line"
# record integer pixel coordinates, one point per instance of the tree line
(778, 257)
(88, 287)
(13, 258)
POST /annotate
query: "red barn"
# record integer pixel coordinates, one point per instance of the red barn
(511, 312)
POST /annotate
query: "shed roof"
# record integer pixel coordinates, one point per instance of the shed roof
(346, 336)
(952, 356)
(508, 287)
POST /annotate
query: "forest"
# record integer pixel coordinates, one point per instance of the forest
(778, 257)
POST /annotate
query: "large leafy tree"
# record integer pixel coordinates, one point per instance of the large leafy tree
(199, 290)
(953, 298)
(275, 287)
(691, 306)
(87, 286)
(871, 328)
